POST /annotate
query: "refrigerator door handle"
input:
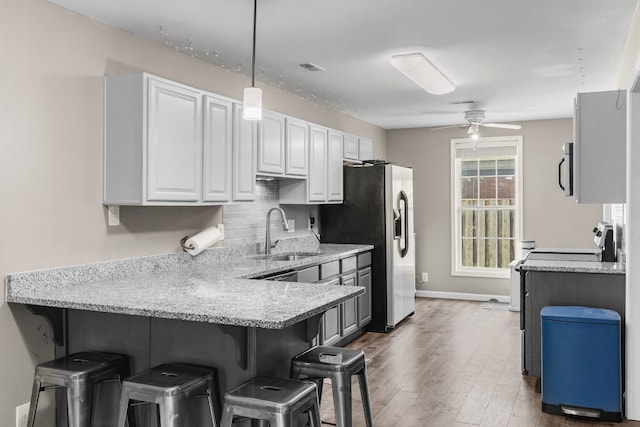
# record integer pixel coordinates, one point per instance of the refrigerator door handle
(397, 225)
(404, 248)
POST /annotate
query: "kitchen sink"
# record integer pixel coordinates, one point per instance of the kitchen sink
(287, 256)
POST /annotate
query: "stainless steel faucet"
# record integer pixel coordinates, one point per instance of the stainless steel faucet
(267, 238)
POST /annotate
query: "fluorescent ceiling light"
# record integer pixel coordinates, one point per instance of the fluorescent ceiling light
(416, 67)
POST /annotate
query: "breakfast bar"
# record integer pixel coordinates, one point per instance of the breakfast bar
(173, 308)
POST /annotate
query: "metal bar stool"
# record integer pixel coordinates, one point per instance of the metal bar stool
(78, 373)
(168, 386)
(339, 365)
(274, 400)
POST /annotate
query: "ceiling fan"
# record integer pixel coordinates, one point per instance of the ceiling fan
(475, 119)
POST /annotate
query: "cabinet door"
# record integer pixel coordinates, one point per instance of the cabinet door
(174, 142)
(365, 147)
(296, 150)
(217, 148)
(317, 179)
(349, 307)
(364, 301)
(271, 143)
(351, 147)
(244, 156)
(600, 139)
(330, 333)
(334, 167)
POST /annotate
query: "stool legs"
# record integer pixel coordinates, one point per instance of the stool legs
(79, 399)
(341, 386)
(171, 412)
(124, 409)
(364, 393)
(35, 394)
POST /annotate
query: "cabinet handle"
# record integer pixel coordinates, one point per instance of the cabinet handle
(560, 174)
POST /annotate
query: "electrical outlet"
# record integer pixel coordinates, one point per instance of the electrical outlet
(113, 215)
(311, 222)
(292, 225)
(22, 414)
(221, 228)
(425, 277)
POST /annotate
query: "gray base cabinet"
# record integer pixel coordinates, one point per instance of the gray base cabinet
(340, 324)
(543, 288)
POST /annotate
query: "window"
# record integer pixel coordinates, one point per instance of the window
(486, 221)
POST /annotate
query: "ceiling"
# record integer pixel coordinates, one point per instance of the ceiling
(516, 59)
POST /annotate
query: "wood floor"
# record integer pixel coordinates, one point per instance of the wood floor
(454, 363)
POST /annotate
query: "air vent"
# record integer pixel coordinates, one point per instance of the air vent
(310, 66)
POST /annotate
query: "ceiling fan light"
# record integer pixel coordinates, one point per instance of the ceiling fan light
(252, 108)
(419, 70)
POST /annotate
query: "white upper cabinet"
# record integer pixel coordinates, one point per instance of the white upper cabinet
(297, 143)
(317, 180)
(174, 142)
(599, 158)
(365, 149)
(167, 144)
(271, 144)
(334, 167)
(152, 142)
(245, 135)
(217, 159)
(324, 181)
(351, 147)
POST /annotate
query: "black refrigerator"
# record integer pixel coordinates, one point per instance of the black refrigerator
(378, 210)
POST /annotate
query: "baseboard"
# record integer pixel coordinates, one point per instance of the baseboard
(464, 296)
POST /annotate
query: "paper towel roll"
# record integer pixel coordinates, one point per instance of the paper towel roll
(201, 241)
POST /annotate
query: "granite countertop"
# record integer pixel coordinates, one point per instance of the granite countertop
(214, 288)
(562, 266)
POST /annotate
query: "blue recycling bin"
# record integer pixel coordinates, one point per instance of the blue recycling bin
(581, 362)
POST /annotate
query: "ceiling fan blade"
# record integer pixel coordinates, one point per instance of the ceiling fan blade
(500, 125)
(449, 127)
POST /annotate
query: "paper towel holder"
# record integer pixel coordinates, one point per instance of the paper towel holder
(184, 246)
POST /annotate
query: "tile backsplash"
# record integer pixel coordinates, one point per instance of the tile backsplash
(245, 222)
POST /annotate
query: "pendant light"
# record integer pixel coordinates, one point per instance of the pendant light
(253, 95)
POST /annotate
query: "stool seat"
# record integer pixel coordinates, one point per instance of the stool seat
(169, 386)
(275, 400)
(78, 373)
(338, 365)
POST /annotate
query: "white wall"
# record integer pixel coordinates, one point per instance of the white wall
(550, 218)
(51, 107)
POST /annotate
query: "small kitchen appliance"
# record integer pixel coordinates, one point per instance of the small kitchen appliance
(604, 240)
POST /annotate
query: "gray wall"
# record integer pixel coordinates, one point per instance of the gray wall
(550, 219)
(51, 109)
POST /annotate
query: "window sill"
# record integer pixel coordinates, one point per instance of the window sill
(485, 273)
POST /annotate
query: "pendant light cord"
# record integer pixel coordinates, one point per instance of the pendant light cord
(253, 56)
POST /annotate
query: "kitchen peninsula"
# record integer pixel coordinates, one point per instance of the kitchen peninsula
(205, 310)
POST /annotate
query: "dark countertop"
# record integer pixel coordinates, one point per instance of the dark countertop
(215, 288)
